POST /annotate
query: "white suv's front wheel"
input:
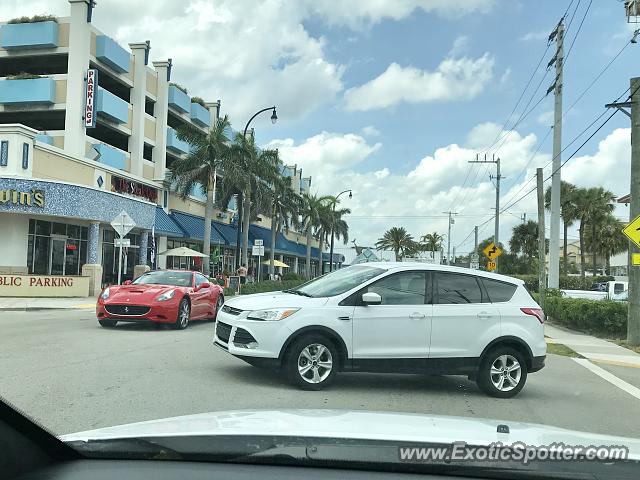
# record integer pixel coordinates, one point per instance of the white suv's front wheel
(503, 372)
(311, 362)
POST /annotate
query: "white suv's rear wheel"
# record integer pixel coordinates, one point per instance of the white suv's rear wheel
(311, 362)
(503, 372)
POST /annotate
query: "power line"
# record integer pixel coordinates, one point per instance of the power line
(586, 12)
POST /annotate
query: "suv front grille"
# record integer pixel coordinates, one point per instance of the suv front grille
(231, 310)
(243, 337)
(223, 331)
(125, 310)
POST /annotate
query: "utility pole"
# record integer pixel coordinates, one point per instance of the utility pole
(475, 239)
(633, 319)
(454, 255)
(451, 222)
(498, 177)
(541, 234)
(557, 87)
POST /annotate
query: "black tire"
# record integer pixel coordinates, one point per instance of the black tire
(219, 303)
(107, 323)
(184, 312)
(294, 361)
(489, 382)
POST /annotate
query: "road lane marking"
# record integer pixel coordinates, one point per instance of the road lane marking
(609, 377)
(84, 305)
(616, 363)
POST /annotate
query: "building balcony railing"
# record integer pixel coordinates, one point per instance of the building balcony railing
(111, 54)
(200, 115)
(112, 156)
(179, 100)
(23, 36)
(28, 90)
(44, 138)
(111, 107)
(174, 143)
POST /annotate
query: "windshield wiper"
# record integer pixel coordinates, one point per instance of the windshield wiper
(297, 292)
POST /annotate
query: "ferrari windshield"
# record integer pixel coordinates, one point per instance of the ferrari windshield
(178, 279)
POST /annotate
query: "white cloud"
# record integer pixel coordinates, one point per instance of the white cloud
(361, 13)
(545, 118)
(460, 46)
(535, 36)
(370, 131)
(380, 174)
(453, 80)
(505, 77)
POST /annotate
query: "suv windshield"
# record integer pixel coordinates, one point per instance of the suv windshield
(340, 281)
(179, 279)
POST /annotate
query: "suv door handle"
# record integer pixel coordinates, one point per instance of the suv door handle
(417, 315)
(485, 315)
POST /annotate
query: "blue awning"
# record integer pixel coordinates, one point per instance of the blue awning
(260, 233)
(228, 232)
(164, 225)
(194, 227)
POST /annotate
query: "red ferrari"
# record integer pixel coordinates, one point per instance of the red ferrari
(162, 296)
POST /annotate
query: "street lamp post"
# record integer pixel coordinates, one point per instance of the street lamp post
(274, 119)
(332, 227)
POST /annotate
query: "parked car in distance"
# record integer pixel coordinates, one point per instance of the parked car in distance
(391, 317)
(172, 297)
(612, 290)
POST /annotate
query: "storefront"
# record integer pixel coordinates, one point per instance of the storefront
(60, 229)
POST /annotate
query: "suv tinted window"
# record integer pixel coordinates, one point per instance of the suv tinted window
(404, 288)
(499, 291)
(458, 288)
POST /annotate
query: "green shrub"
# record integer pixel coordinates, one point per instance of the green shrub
(291, 276)
(179, 87)
(600, 317)
(198, 100)
(268, 286)
(566, 282)
(23, 76)
(34, 19)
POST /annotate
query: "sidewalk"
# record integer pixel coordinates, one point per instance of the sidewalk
(592, 348)
(24, 303)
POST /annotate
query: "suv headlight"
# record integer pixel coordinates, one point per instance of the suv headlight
(168, 295)
(272, 315)
(105, 294)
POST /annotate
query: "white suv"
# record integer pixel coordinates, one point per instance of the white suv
(391, 317)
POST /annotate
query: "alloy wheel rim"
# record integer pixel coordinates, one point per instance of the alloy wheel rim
(505, 373)
(184, 315)
(315, 363)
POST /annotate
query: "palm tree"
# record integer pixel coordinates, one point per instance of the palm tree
(398, 240)
(432, 242)
(608, 240)
(209, 154)
(253, 171)
(524, 239)
(593, 205)
(331, 220)
(568, 213)
(285, 206)
(311, 210)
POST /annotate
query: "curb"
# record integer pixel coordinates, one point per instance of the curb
(35, 309)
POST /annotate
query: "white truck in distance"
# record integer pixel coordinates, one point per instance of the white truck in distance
(613, 290)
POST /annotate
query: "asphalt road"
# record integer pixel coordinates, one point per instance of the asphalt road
(64, 370)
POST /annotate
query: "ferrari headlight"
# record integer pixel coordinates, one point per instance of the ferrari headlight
(105, 294)
(272, 315)
(168, 295)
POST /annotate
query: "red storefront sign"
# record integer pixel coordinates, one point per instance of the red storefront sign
(122, 185)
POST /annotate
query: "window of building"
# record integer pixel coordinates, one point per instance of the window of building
(454, 288)
(56, 248)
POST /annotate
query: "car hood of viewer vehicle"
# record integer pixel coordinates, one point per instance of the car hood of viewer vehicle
(263, 301)
(359, 425)
(133, 293)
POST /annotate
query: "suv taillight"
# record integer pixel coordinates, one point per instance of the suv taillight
(536, 312)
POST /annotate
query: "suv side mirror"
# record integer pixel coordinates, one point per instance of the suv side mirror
(371, 298)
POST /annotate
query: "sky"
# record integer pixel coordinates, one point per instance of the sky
(392, 98)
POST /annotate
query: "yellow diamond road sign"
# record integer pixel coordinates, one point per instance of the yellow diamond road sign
(492, 251)
(633, 231)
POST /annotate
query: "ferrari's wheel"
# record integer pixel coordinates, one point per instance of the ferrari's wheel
(219, 303)
(184, 312)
